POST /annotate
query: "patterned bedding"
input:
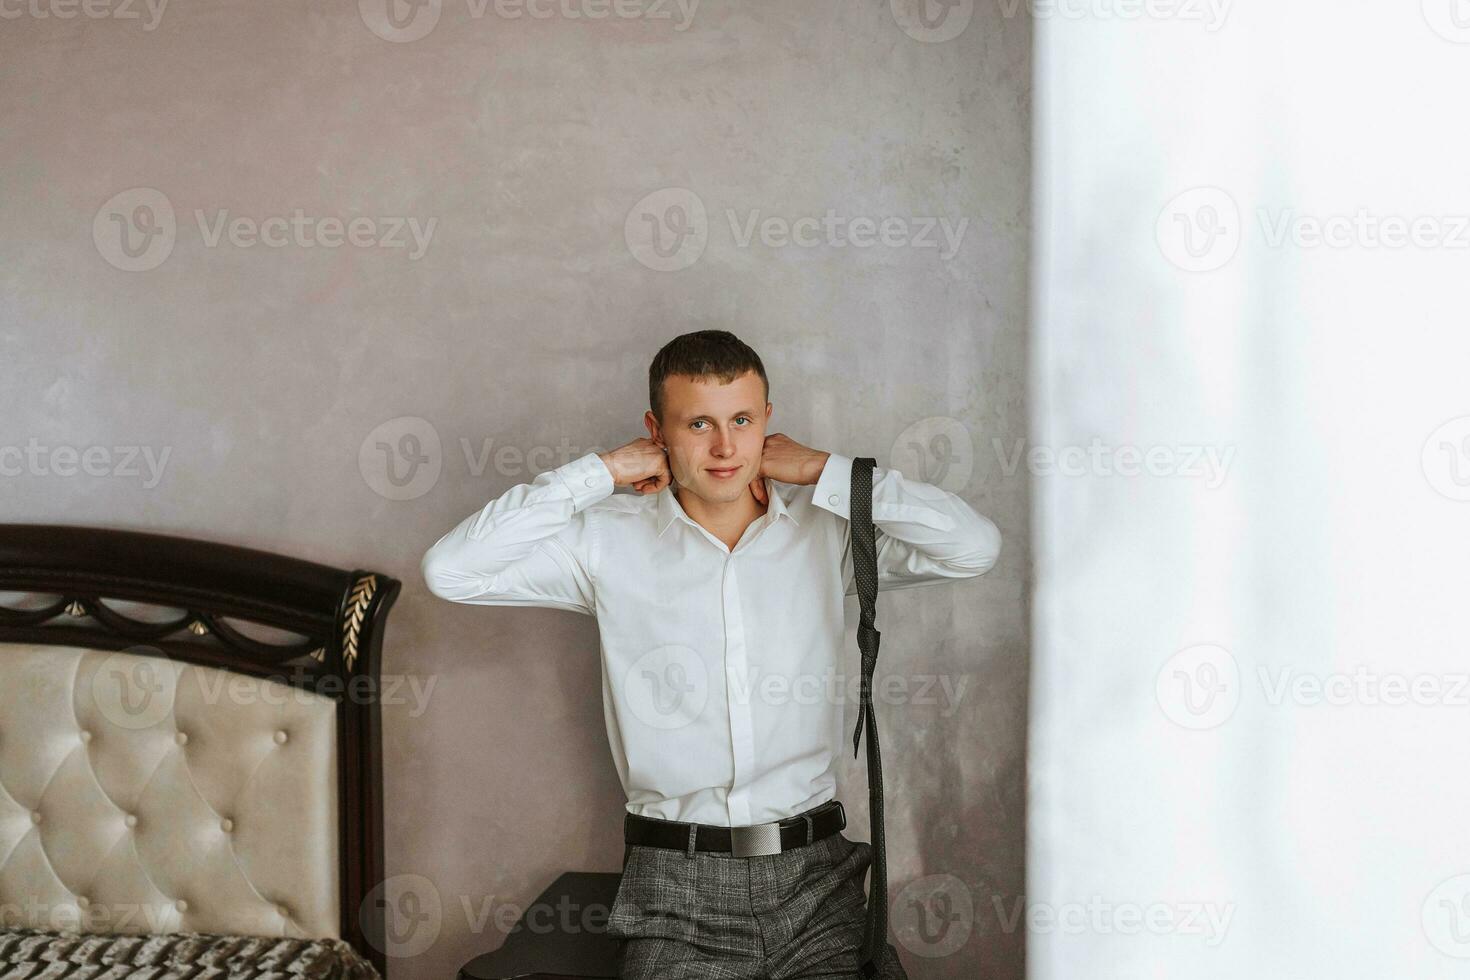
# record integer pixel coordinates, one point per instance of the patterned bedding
(29, 954)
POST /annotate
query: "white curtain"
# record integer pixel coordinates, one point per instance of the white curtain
(1250, 727)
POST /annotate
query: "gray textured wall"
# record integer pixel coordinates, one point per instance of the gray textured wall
(224, 370)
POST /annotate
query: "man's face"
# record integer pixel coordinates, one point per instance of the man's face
(708, 427)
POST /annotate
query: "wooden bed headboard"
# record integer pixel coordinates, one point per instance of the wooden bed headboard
(277, 776)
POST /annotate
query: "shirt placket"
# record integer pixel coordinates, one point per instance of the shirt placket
(737, 677)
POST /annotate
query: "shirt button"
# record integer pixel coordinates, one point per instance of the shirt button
(833, 499)
(589, 481)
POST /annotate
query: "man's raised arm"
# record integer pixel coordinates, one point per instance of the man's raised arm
(924, 534)
(531, 546)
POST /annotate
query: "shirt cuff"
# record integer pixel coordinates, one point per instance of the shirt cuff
(588, 480)
(834, 486)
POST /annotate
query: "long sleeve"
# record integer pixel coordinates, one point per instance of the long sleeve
(531, 546)
(925, 534)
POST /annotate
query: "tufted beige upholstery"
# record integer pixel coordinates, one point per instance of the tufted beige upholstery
(140, 794)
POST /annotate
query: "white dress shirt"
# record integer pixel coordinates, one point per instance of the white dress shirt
(724, 670)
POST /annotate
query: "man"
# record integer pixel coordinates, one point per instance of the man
(718, 590)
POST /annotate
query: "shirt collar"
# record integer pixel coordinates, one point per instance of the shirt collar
(669, 509)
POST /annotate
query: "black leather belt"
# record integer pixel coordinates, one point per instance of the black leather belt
(820, 821)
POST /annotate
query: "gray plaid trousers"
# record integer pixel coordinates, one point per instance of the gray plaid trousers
(712, 916)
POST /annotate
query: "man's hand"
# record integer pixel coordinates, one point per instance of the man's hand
(641, 464)
(787, 461)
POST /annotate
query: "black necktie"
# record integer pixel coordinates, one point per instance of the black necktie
(865, 574)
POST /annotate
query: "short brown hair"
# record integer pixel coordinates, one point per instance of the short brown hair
(702, 354)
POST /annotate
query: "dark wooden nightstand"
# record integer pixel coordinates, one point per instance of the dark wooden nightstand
(562, 935)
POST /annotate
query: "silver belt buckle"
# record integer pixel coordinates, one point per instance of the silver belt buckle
(757, 839)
